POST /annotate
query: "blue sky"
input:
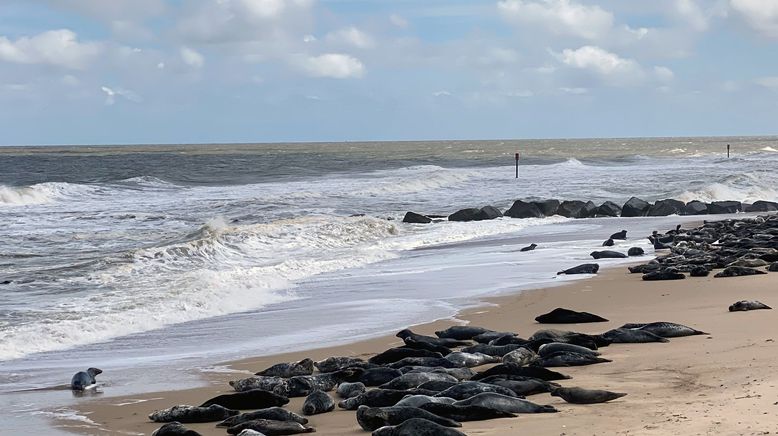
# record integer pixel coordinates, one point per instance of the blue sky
(174, 71)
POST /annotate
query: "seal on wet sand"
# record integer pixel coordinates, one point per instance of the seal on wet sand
(585, 396)
(372, 418)
(417, 427)
(191, 414)
(83, 379)
(271, 413)
(174, 429)
(253, 399)
(586, 268)
(287, 370)
(529, 247)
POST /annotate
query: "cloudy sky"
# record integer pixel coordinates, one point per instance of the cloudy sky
(180, 71)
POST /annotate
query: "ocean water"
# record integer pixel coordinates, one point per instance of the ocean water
(174, 257)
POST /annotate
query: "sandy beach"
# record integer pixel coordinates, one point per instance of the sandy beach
(721, 383)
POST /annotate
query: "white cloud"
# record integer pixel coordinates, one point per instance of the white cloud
(351, 36)
(761, 15)
(398, 20)
(334, 65)
(70, 80)
(442, 93)
(664, 74)
(55, 47)
(559, 16)
(598, 60)
(574, 91)
(692, 13)
(768, 82)
(192, 58)
(112, 93)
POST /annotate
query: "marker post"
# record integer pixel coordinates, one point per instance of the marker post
(727, 151)
(517, 164)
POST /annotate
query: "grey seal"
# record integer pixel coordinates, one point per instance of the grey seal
(318, 402)
(254, 399)
(395, 354)
(524, 371)
(470, 360)
(520, 356)
(529, 247)
(585, 396)
(417, 427)
(349, 390)
(271, 428)
(287, 370)
(373, 418)
(505, 403)
(271, 413)
(586, 268)
(607, 254)
(191, 414)
(418, 400)
(619, 235)
(738, 271)
(666, 329)
(631, 336)
(381, 398)
(744, 305)
(422, 361)
(174, 429)
(413, 380)
(332, 364)
(567, 316)
(461, 332)
(437, 385)
(83, 379)
(568, 358)
(608, 243)
(469, 389)
(465, 413)
(522, 388)
(379, 376)
(444, 342)
(554, 347)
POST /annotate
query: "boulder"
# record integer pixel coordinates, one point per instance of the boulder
(471, 214)
(413, 217)
(666, 207)
(718, 207)
(547, 207)
(589, 210)
(635, 207)
(608, 208)
(521, 209)
(695, 207)
(489, 213)
(762, 206)
(571, 209)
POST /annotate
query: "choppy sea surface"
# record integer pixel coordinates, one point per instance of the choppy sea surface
(174, 256)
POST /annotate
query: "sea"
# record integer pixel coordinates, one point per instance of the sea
(154, 262)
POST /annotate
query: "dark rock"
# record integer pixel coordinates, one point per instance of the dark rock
(589, 210)
(719, 207)
(571, 209)
(635, 251)
(608, 208)
(695, 208)
(413, 217)
(762, 206)
(547, 207)
(465, 215)
(635, 207)
(607, 254)
(666, 207)
(699, 271)
(521, 209)
(489, 213)
(738, 271)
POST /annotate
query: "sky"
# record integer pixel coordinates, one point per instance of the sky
(218, 71)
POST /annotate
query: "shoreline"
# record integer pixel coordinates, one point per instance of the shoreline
(666, 383)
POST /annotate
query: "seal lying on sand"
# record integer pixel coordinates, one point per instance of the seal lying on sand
(413, 380)
(394, 354)
(417, 427)
(569, 358)
(174, 429)
(83, 379)
(587, 268)
(471, 360)
(665, 329)
(350, 390)
(418, 400)
(469, 389)
(287, 370)
(444, 342)
(520, 357)
(555, 347)
(318, 402)
(461, 332)
(464, 413)
(504, 403)
(631, 336)
(585, 396)
(271, 413)
(192, 414)
(381, 398)
(744, 305)
(607, 254)
(524, 371)
(372, 418)
(254, 399)
(567, 316)
(332, 364)
(269, 427)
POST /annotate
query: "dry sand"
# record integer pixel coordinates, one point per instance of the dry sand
(724, 383)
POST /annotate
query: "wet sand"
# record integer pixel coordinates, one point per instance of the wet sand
(722, 383)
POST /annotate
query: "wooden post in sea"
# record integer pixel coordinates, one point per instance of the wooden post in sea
(517, 165)
(727, 151)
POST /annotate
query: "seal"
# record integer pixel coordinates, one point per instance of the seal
(270, 427)
(287, 370)
(332, 364)
(464, 413)
(461, 332)
(619, 235)
(191, 414)
(522, 388)
(635, 251)
(469, 389)
(631, 336)
(379, 376)
(568, 358)
(174, 429)
(663, 274)
(665, 329)
(738, 271)
(608, 243)
(491, 350)
(571, 338)
(318, 402)
(444, 342)
(470, 360)
(373, 418)
(554, 347)
(607, 254)
(586, 268)
(585, 396)
(488, 337)
(271, 413)
(394, 354)
(744, 305)
(505, 403)
(417, 427)
(520, 356)
(458, 373)
(381, 398)
(423, 361)
(436, 385)
(349, 390)
(567, 316)
(418, 400)
(529, 247)
(253, 399)
(414, 380)
(421, 345)
(524, 371)
(277, 385)
(250, 432)
(84, 379)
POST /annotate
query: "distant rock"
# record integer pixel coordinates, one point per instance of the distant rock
(666, 207)
(489, 213)
(589, 210)
(471, 214)
(415, 218)
(608, 208)
(521, 209)
(571, 209)
(719, 207)
(547, 207)
(635, 207)
(762, 206)
(695, 208)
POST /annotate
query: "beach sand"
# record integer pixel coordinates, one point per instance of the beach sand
(724, 383)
